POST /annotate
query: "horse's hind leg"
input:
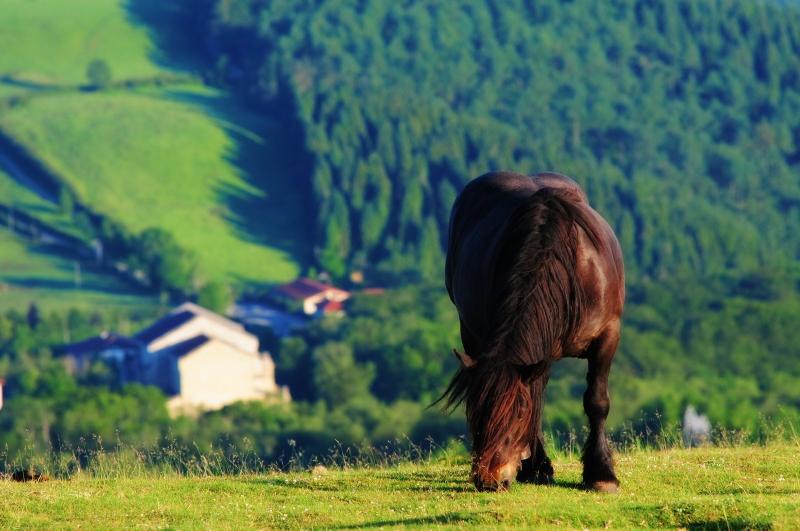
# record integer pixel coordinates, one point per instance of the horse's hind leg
(598, 466)
(537, 468)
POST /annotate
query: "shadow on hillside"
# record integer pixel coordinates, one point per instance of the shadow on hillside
(171, 24)
(90, 278)
(572, 485)
(275, 208)
(681, 516)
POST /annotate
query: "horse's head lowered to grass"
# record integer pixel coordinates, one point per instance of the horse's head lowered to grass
(500, 402)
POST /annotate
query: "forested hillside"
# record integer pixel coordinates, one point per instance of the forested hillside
(679, 118)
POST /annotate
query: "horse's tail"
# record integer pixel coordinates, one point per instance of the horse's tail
(539, 302)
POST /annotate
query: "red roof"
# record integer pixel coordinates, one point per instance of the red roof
(303, 288)
(331, 307)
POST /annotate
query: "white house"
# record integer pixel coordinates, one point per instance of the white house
(206, 373)
(204, 361)
(199, 359)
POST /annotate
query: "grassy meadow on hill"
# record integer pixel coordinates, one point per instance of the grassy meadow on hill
(701, 488)
(188, 160)
(22, 198)
(184, 158)
(31, 272)
(50, 42)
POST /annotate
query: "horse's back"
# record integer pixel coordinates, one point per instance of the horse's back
(478, 219)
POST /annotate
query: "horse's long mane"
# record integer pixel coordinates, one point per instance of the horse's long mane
(537, 306)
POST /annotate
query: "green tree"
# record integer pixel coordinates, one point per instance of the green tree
(169, 267)
(98, 73)
(336, 375)
(216, 296)
(336, 227)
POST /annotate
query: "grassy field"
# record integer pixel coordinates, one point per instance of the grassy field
(185, 158)
(20, 197)
(33, 274)
(708, 488)
(52, 42)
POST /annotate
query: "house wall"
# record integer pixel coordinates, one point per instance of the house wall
(209, 327)
(217, 374)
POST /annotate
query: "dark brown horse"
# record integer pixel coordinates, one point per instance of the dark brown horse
(536, 275)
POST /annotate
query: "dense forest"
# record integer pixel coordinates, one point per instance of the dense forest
(679, 118)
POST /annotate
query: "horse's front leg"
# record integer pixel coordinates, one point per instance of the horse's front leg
(537, 468)
(598, 466)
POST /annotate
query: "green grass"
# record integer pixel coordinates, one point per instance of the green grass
(52, 42)
(187, 159)
(33, 274)
(713, 488)
(20, 197)
(176, 165)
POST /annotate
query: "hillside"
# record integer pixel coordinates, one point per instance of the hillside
(36, 273)
(156, 149)
(709, 488)
(174, 165)
(679, 120)
(54, 41)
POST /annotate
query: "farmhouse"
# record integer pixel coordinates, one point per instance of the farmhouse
(314, 297)
(199, 359)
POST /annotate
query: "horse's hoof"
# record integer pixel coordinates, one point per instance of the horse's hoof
(536, 479)
(605, 486)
